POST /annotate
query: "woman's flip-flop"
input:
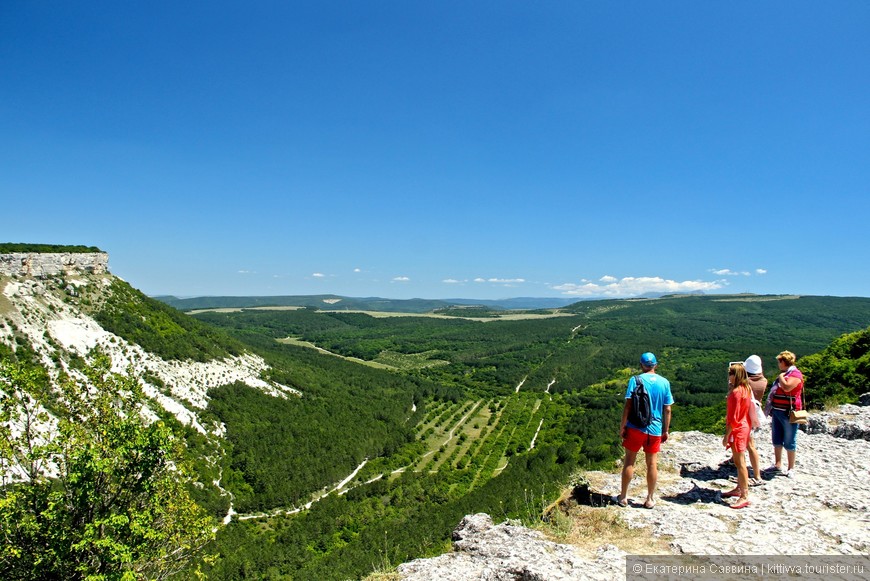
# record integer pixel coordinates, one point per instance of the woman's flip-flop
(622, 503)
(730, 493)
(649, 505)
(743, 504)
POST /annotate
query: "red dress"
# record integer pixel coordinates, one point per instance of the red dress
(737, 416)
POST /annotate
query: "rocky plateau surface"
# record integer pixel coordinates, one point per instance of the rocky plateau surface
(823, 508)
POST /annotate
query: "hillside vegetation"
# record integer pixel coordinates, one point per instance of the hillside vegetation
(517, 406)
(458, 416)
(11, 247)
(841, 372)
(157, 328)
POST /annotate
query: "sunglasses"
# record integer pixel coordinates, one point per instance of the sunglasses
(731, 371)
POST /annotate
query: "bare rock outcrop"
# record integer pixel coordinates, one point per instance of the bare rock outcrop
(823, 508)
(488, 552)
(851, 423)
(53, 263)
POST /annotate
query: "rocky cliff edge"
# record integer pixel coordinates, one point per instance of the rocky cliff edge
(53, 263)
(823, 509)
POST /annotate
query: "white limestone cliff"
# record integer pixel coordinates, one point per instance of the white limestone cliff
(35, 309)
(53, 263)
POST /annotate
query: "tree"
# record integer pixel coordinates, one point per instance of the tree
(839, 373)
(93, 491)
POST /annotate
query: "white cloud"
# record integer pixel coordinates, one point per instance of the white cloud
(500, 280)
(636, 286)
(401, 279)
(357, 270)
(453, 281)
(318, 275)
(760, 271)
(729, 272)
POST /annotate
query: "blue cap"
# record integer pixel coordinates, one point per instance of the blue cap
(648, 360)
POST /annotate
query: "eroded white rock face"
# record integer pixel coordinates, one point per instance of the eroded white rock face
(45, 318)
(53, 264)
(824, 509)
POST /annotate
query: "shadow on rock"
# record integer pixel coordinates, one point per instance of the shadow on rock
(695, 495)
(697, 471)
(582, 495)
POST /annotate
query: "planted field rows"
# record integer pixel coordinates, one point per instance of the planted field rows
(470, 441)
(474, 441)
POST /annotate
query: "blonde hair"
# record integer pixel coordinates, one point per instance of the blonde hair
(788, 357)
(741, 379)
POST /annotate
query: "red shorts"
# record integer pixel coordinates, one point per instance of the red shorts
(635, 440)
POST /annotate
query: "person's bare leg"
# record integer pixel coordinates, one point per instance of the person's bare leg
(627, 473)
(742, 477)
(652, 478)
(790, 454)
(754, 458)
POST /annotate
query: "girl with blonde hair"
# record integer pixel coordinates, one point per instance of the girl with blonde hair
(737, 429)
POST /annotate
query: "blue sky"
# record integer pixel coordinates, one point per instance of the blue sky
(443, 149)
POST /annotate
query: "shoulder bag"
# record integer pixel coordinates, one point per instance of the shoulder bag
(797, 416)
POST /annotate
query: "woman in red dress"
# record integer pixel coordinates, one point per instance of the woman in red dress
(737, 429)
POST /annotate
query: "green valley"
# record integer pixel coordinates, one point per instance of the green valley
(333, 443)
(504, 412)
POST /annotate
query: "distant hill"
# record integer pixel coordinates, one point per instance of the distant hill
(519, 303)
(340, 303)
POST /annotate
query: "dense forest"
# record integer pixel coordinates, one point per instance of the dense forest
(407, 423)
(694, 336)
(841, 372)
(505, 412)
